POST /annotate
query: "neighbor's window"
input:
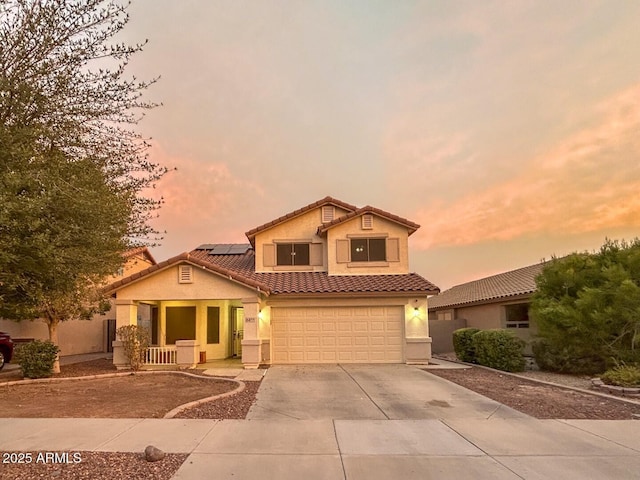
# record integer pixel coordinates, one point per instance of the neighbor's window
(517, 315)
(445, 315)
(368, 250)
(292, 254)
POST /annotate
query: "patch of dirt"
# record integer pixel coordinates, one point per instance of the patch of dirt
(131, 396)
(94, 465)
(538, 400)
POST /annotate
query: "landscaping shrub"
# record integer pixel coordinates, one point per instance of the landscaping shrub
(36, 358)
(463, 346)
(622, 376)
(499, 349)
(567, 358)
(135, 341)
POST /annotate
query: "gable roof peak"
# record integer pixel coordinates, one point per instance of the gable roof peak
(319, 203)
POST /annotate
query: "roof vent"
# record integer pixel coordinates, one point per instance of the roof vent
(185, 274)
(367, 222)
(328, 213)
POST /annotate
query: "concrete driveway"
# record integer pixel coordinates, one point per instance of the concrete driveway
(371, 392)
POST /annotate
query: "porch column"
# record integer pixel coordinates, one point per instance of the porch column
(126, 314)
(251, 341)
(416, 326)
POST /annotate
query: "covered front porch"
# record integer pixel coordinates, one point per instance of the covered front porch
(188, 333)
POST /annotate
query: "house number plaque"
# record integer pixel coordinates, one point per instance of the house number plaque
(250, 319)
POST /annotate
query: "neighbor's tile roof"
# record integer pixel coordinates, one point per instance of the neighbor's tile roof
(315, 282)
(325, 201)
(369, 209)
(144, 251)
(516, 282)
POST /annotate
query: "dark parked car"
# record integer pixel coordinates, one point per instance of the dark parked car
(6, 348)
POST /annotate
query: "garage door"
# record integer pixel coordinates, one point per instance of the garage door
(337, 335)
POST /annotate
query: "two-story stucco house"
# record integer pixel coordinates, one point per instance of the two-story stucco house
(327, 283)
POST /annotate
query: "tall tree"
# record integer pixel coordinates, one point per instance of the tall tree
(73, 169)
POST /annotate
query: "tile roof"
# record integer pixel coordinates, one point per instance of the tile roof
(240, 268)
(316, 282)
(515, 282)
(325, 201)
(369, 209)
(132, 252)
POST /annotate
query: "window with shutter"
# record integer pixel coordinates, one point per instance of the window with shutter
(368, 250)
(185, 274)
(292, 254)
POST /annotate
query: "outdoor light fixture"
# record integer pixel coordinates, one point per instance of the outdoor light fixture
(260, 315)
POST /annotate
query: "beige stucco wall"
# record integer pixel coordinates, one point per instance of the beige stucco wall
(493, 316)
(74, 336)
(302, 228)
(381, 227)
(417, 348)
(164, 286)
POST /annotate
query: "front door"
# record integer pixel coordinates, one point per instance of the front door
(236, 329)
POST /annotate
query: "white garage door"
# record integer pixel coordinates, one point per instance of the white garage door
(337, 335)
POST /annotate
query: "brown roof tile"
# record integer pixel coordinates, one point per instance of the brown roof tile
(369, 209)
(326, 200)
(317, 282)
(509, 284)
(137, 251)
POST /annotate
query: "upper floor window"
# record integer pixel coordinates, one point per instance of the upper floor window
(368, 250)
(292, 254)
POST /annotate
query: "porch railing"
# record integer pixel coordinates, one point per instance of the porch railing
(161, 356)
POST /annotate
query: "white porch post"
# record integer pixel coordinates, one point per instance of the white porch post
(417, 340)
(251, 340)
(126, 314)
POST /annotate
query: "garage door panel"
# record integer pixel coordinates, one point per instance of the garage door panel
(337, 335)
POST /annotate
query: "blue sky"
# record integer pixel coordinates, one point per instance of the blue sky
(510, 130)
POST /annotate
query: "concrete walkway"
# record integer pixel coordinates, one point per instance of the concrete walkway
(354, 449)
(408, 434)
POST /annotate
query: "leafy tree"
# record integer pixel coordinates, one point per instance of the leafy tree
(587, 309)
(73, 171)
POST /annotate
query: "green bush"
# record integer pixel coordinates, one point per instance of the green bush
(622, 376)
(463, 346)
(135, 341)
(566, 358)
(499, 349)
(36, 358)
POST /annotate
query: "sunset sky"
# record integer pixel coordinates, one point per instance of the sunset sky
(509, 130)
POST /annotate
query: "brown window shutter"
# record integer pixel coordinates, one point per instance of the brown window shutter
(342, 251)
(315, 254)
(269, 255)
(393, 249)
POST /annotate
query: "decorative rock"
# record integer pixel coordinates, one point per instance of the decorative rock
(153, 454)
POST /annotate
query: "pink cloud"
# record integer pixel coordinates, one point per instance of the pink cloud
(587, 182)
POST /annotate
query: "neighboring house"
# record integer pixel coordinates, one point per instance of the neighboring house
(499, 301)
(327, 283)
(82, 336)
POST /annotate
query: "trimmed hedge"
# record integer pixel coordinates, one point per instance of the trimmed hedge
(36, 358)
(499, 349)
(463, 345)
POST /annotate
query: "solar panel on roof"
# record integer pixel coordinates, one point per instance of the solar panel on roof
(225, 248)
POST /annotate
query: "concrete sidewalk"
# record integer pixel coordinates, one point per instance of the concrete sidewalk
(499, 448)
